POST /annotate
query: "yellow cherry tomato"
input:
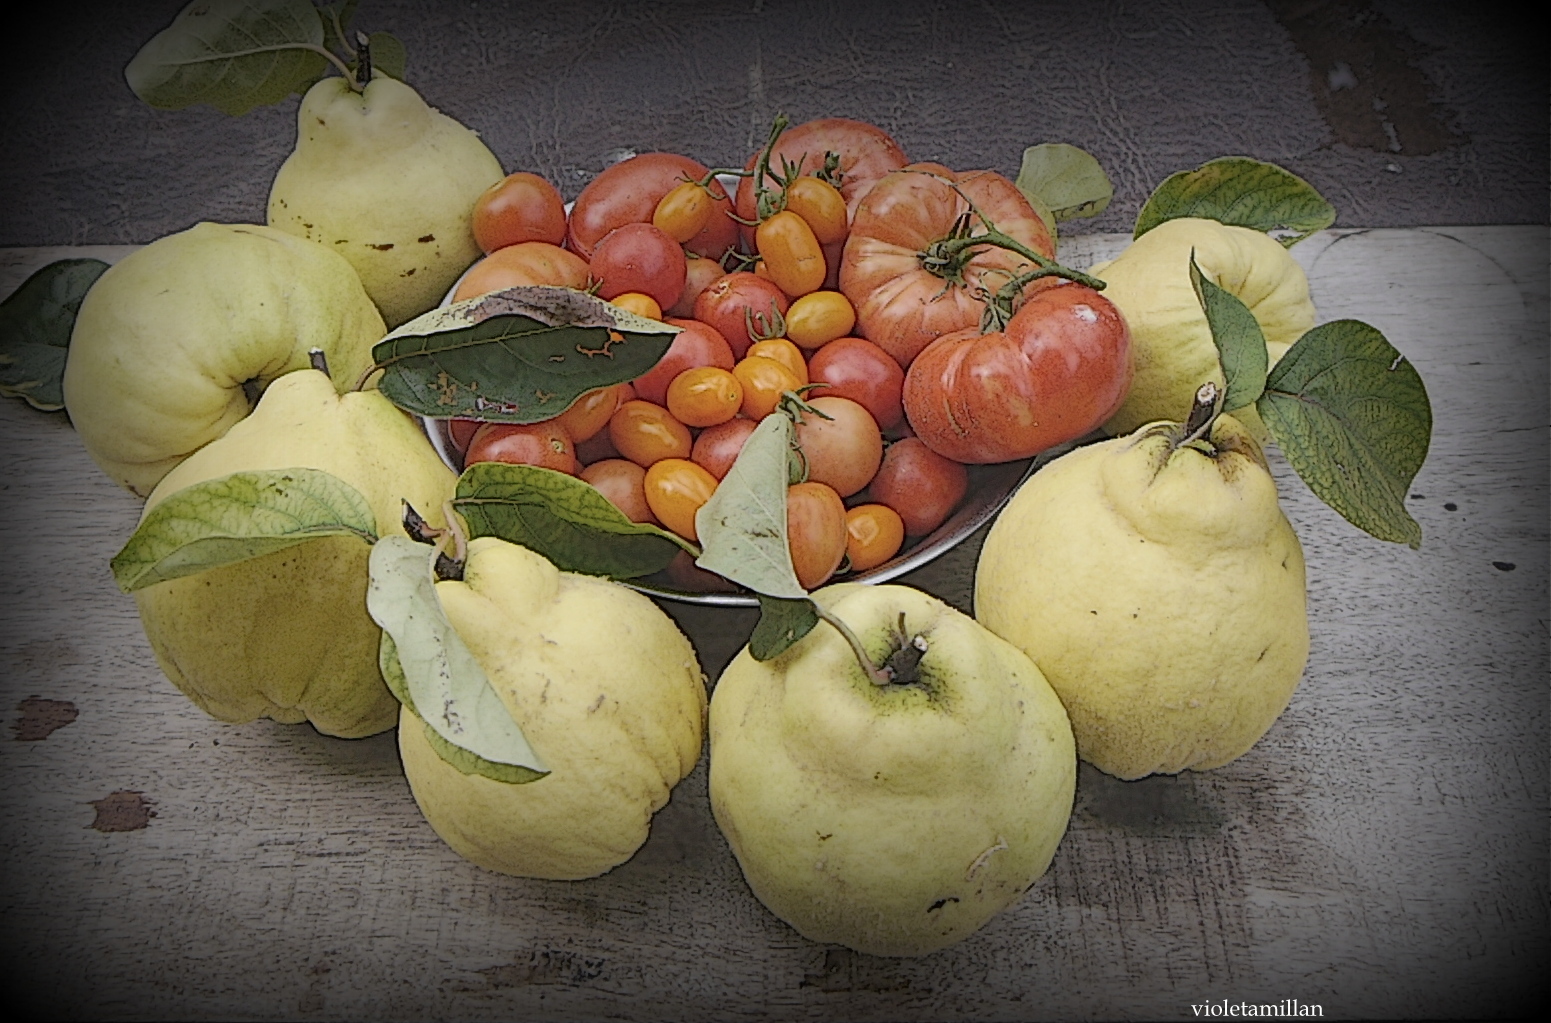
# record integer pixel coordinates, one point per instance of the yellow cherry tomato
(874, 534)
(639, 303)
(646, 433)
(675, 490)
(791, 253)
(818, 318)
(784, 352)
(821, 205)
(704, 396)
(683, 212)
(763, 381)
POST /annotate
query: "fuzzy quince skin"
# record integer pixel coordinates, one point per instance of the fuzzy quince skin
(607, 691)
(287, 635)
(1161, 591)
(895, 820)
(174, 341)
(388, 183)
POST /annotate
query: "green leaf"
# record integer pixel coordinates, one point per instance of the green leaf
(782, 622)
(232, 54)
(35, 325)
(516, 356)
(457, 756)
(237, 517)
(742, 528)
(446, 685)
(1352, 416)
(1241, 192)
(563, 518)
(1065, 179)
(336, 19)
(1241, 344)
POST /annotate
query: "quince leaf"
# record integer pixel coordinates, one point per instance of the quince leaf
(232, 54)
(237, 517)
(1240, 192)
(35, 325)
(1241, 344)
(742, 528)
(446, 685)
(1352, 416)
(1065, 180)
(564, 519)
(782, 622)
(521, 355)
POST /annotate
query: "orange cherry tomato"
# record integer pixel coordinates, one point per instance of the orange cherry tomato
(521, 207)
(523, 265)
(647, 433)
(704, 396)
(821, 206)
(639, 303)
(624, 484)
(815, 531)
(790, 253)
(763, 381)
(542, 444)
(874, 534)
(683, 212)
(784, 352)
(591, 412)
(818, 318)
(675, 490)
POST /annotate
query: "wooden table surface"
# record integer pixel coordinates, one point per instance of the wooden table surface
(1381, 852)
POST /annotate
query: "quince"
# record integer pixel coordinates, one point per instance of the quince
(175, 342)
(388, 183)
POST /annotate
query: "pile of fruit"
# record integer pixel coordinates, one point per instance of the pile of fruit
(842, 327)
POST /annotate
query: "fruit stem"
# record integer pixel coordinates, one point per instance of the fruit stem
(363, 61)
(1202, 414)
(878, 676)
(318, 360)
(766, 206)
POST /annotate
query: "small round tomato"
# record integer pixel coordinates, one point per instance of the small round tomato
(639, 303)
(675, 490)
(784, 352)
(791, 253)
(718, 446)
(544, 444)
(818, 318)
(639, 257)
(628, 193)
(742, 305)
(591, 412)
(696, 344)
(460, 431)
(919, 484)
(815, 531)
(698, 274)
(821, 207)
(523, 265)
(843, 450)
(683, 212)
(520, 208)
(855, 368)
(704, 396)
(763, 382)
(646, 433)
(874, 534)
(623, 483)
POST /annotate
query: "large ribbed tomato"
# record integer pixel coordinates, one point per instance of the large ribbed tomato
(904, 302)
(1060, 368)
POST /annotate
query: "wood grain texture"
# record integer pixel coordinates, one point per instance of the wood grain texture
(1381, 852)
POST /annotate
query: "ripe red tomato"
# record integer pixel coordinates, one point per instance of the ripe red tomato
(523, 265)
(624, 484)
(1060, 368)
(718, 446)
(675, 490)
(520, 208)
(697, 344)
(628, 193)
(734, 301)
(543, 444)
(843, 450)
(815, 531)
(639, 257)
(461, 431)
(901, 305)
(919, 484)
(855, 368)
(874, 534)
(646, 433)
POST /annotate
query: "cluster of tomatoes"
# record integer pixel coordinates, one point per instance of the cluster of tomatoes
(820, 287)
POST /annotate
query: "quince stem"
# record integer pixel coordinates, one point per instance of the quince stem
(878, 676)
(1202, 414)
(318, 360)
(363, 61)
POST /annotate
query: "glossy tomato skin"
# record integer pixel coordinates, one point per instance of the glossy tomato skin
(675, 490)
(646, 433)
(919, 484)
(784, 352)
(816, 531)
(1062, 366)
(639, 257)
(521, 207)
(523, 265)
(764, 381)
(731, 302)
(623, 483)
(866, 154)
(591, 411)
(841, 443)
(874, 534)
(717, 447)
(704, 396)
(628, 193)
(818, 318)
(545, 444)
(821, 205)
(696, 344)
(790, 254)
(901, 306)
(855, 368)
